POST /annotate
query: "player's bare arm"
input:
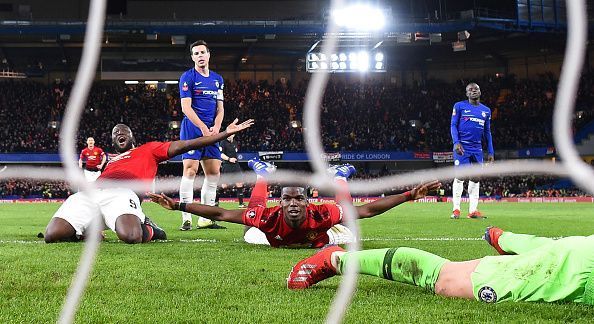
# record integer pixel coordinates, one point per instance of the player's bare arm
(218, 118)
(103, 160)
(384, 204)
(210, 212)
(186, 104)
(182, 146)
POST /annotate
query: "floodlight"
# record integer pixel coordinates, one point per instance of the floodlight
(379, 57)
(333, 57)
(359, 17)
(171, 82)
(151, 82)
(342, 65)
(342, 57)
(379, 65)
(131, 82)
(323, 65)
(322, 57)
(335, 65)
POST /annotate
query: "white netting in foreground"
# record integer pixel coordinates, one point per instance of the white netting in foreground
(571, 164)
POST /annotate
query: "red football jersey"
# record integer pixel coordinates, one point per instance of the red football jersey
(139, 163)
(92, 157)
(312, 233)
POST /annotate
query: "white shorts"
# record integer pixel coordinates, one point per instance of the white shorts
(91, 175)
(338, 234)
(80, 208)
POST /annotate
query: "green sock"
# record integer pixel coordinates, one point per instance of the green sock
(407, 265)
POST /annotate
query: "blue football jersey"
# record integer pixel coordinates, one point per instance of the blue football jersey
(204, 91)
(470, 124)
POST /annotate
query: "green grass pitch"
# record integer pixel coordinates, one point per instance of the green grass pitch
(212, 276)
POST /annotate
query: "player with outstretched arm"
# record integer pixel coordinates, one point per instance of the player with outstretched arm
(117, 205)
(295, 222)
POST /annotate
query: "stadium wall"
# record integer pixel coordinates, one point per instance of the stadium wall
(365, 200)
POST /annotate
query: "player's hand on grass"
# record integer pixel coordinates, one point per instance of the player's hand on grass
(458, 148)
(162, 200)
(234, 127)
(421, 190)
(490, 158)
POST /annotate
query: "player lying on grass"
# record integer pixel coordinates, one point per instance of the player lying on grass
(530, 269)
(295, 222)
(120, 206)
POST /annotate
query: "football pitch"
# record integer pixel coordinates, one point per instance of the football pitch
(212, 276)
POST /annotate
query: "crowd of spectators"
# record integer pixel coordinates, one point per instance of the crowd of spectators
(355, 115)
(499, 187)
(23, 188)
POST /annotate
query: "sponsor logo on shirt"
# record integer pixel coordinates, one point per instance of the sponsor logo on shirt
(487, 294)
(311, 235)
(476, 120)
(216, 83)
(484, 114)
(206, 92)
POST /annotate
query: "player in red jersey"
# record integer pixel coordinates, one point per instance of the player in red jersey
(119, 206)
(94, 159)
(295, 222)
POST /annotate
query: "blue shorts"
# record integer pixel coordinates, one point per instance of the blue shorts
(468, 158)
(190, 131)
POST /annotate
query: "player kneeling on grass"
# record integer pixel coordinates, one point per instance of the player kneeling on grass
(530, 269)
(295, 222)
(120, 207)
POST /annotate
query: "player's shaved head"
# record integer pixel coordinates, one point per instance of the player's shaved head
(122, 138)
(299, 189)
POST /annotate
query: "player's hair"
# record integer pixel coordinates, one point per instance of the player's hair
(197, 43)
(296, 186)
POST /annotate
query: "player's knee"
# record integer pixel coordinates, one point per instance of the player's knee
(190, 173)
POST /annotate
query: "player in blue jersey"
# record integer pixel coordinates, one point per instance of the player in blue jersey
(471, 124)
(201, 94)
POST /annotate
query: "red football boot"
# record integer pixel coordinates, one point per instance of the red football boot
(455, 214)
(313, 269)
(492, 235)
(476, 214)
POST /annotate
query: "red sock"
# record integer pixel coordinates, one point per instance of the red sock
(343, 192)
(259, 194)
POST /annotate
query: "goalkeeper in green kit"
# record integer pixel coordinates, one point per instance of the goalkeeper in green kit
(529, 268)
